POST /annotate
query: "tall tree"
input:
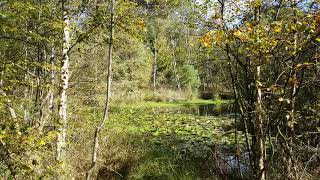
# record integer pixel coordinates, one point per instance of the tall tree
(64, 78)
(108, 93)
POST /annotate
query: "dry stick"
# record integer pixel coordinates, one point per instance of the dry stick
(305, 168)
(107, 104)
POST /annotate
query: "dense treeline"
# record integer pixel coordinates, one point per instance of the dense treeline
(65, 63)
(273, 64)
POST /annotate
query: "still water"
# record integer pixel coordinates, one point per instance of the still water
(229, 162)
(201, 109)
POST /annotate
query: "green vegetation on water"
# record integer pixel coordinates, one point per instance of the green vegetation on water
(143, 143)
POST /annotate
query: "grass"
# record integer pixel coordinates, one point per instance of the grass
(173, 104)
(203, 101)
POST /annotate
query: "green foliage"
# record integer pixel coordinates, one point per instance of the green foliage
(189, 77)
(269, 56)
(22, 151)
(133, 64)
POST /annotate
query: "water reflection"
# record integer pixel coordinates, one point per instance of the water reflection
(215, 110)
(201, 109)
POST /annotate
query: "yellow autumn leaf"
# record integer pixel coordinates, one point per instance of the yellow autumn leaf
(219, 36)
(241, 35)
(237, 34)
(207, 40)
(277, 29)
(42, 142)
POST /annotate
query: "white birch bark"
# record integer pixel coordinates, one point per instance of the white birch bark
(259, 131)
(155, 65)
(63, 104)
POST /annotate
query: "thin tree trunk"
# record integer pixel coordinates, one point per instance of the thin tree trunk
(258, 124)
(27, 98)
(155, 66)
(52, 78)
(176, 73)
(62, 123)
(9, 105)
(260, 155)
(107, 103)
(242, 112)
(8, 101)
(174, 63)
(37, 117)
(50, 95)
(26, 116)
(291, 169)
(37, 102)
(1, 75)
(188, 48)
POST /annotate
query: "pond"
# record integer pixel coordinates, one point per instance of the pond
(229, 162)
(200, 109)
(184, 141)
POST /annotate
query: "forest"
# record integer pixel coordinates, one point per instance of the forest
(160, 89)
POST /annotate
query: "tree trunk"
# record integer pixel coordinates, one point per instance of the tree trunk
(107, 103)
(8, 101)
(260, 144)
(52, 79)
(27, 98)
(176, 73)
(291, 168)
(155, 65)
(62, 123)
(9, 105)
(26, 116)
(50, 94)
(174, 63)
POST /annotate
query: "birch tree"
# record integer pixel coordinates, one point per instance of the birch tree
(64, 78)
